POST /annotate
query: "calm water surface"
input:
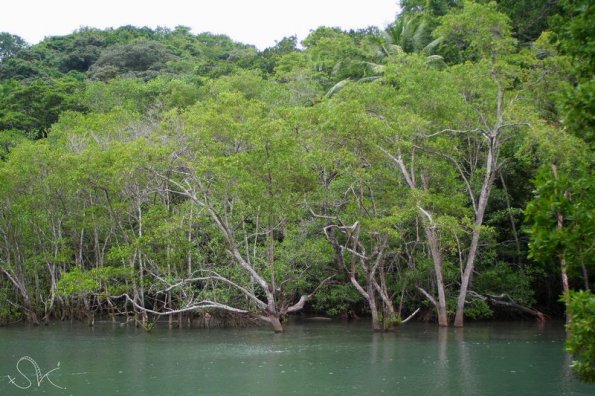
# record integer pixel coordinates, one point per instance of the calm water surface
(311, 358)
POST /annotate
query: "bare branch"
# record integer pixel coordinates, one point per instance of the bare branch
(358, 254)
(512, 125)
(304, 298)
(214, 276)
(322, 216)
(504, 300)
(428, 296)
(245, 291)
(426, 214)
(452, 131)
(359, 288)
(399, 161)
(410, 316)
(204, 304)
(380, 255)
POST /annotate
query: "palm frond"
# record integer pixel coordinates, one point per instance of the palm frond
(375, 67)
(436, 61)
(337, 87)
(432, 45)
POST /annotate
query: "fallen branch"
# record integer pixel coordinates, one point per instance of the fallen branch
(410, 316)
(504, 300)
(205, 304)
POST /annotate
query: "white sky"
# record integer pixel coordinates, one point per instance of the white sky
(258, 22)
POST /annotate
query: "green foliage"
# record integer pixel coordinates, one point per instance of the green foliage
(575, 31)
(103, 281)
(412, 30)
(10, 45)
(159, 94)
(334, 54)
(32, 107)
(578, 107)
(478, 309)
(562, 217)
(581, 338)
(8, 140)
(141, 59)
(337, 300)
(505, 278)
(433, 7)
(75, 52)
(574, 34)
(8, 313)
(270, 56)
(476, 31)
(529, 18)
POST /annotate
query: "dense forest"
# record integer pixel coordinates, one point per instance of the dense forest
(440, 167)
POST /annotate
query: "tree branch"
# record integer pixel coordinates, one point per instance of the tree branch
(399, 161)
(426, 214)
(304, 298)
(410, 316)
(205, 304)
(428, 296)
(452, 131)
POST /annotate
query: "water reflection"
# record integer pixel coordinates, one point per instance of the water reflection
(442, 375)
(468, 376)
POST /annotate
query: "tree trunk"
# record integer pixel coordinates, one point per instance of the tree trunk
(437, 258)
(484, 196)
(565, 286)
(376, 324)
(276, 323)
(32, 317)
(390, 317)
(560, 224)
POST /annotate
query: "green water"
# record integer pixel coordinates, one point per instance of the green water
(311, 358)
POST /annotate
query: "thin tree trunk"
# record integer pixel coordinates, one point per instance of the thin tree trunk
(560, 224)
(479, 215)
(585, 276)
(432, 238)
(376, 325)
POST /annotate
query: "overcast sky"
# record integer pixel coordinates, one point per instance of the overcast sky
(258, 22)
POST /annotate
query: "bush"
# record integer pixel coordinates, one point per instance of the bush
(581, 337)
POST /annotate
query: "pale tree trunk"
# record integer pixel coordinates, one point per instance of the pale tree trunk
(564, 275)
(389, 316)
(479, 215)
(372, 266)
(276, 324)
(50, 305)
(432, 237)
(370, 297)
(27, 306)
(376, 325)
(565, 286)
(494, 140)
